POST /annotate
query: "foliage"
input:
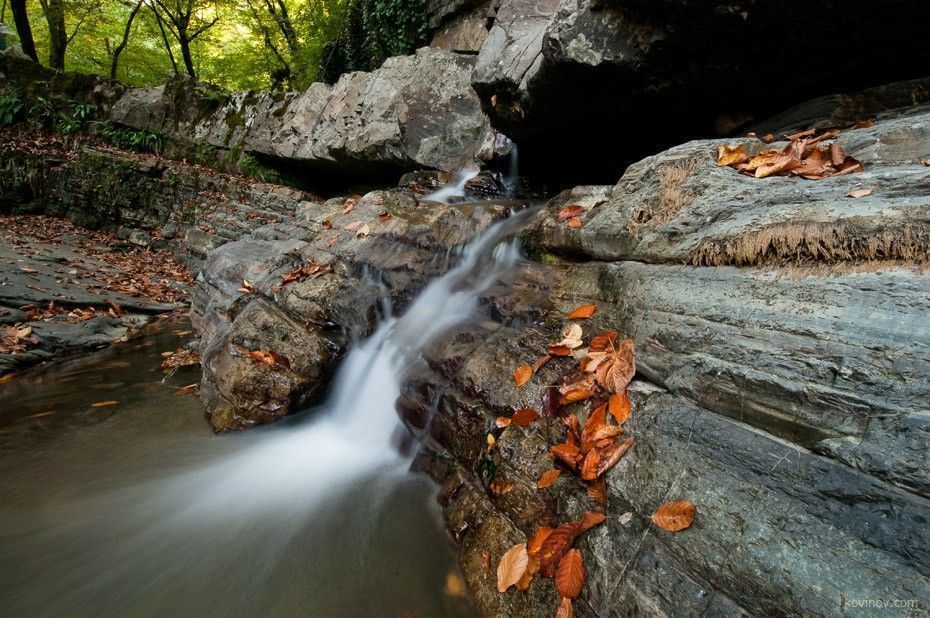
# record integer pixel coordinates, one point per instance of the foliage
(11, 108)
(252, 167)
(131, 139)
(373, 31)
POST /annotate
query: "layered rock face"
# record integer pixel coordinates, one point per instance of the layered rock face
(610, 81)
(414, 112)
(783, 374)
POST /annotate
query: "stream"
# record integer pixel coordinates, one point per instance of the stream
(138, 509)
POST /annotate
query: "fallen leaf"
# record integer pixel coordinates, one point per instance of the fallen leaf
(501, 421)
(23, 333)
(491, 440)
(567, 453)
(184, 390)
(589, 465)
(354, 225)
(583, 312)
(522, 375)
(511, 567)
(589, 520)
(524, 417)
(349, 206)
(674, 516)
(535, 544)
(500, 487)
(27, 270)
(597, 491)
(626, 518)
(569, 576)
(859, 193)
(619, 407)
(104, 404)
(541, 362)
(578, 394)
(926, 161)
(455, 586)
(363, 231)
(575, 223)
(532, 568)
(269, 357)
(612, 454)
(565, 609)
(571, 336)
(384, 216)
(730, 155)
(613, 367)
(555, 546)
(548, 478)
(864, 124)
(569, 212)
(560, 350)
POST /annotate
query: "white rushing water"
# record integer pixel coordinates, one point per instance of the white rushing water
(455, 189)
(228, 525)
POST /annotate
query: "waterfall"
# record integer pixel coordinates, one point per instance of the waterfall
(513, 172)
(455, 189)
(219, 535)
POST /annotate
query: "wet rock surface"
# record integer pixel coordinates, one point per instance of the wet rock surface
(783, 394)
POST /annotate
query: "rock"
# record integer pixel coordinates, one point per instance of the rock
(414, 112)
(463, 32)
(610, 82)
(782, 390)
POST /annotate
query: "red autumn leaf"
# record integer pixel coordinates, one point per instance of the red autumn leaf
(582, 312)
(570, 211)
(524, 417)
(619, 407)
(612, 454)
(560, 350)
(522, 375)
(548, 478)
(555, 546)
(596, 419)
(511, 567)
(674, 516)
(569, 576)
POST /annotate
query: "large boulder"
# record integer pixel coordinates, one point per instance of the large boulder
(782, 387)
(612, 81)
(414, 112)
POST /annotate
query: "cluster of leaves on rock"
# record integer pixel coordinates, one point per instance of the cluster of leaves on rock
(599, 380)
(806, 155)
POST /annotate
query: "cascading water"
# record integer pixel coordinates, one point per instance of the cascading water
(231, 537)
(455, 189)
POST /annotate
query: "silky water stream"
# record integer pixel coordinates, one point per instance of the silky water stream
(138, 509)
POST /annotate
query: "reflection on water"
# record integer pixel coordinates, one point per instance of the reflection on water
(134, 509)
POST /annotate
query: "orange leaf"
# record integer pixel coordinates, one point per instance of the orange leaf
(567, 453)
(104, 404)
(583, 312)
(596, 420)
(575, 223)
(589, 466)
(674, 516)
(524, 417)
(597, 491)
(532, 568)
(535, 544)
(619, 407)
(612, 454)
(512, 567)
(569, 212)
(579, 394)
(560, 350)
(565, 609)
(499, 486)
(541, 362)
(522, 375)
(569, 576)
(501, 421)
(589, 520)
(730, 155)
(548, 478)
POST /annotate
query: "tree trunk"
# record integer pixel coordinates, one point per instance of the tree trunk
(23, 29)
(122, 44)
(57, 33)
(186, 54)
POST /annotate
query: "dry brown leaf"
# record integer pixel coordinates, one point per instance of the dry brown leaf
(575, 395)
(501, 421)
(522, 375)
(565, 609)
(597, 491)
(619, 407)
(571, 336)
(532, 568)
(864, 124)
(674, 516)
(730, 155)
(524, 417)
(567, 453)
(363, 231)
(541, 362)
(555, 546)
(859, 193)
(575, 223)
(589, 465)
(511, 567)
(548, 478)
(104, 404)
(560, 350)
(589, 520)
(569, 575)
(583, 312)
(611, 454)
(926, 161)
(500, 487)
(614, 368)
